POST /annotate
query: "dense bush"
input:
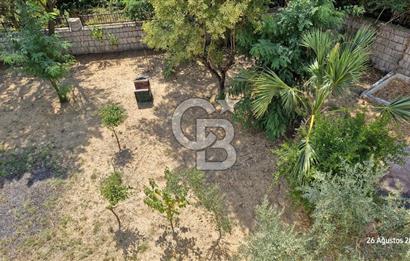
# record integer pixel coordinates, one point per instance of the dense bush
(273, 239)
(275, 43)
(139, 10)
(348, 211)
(345, 138)
(386, 10)
(348, 215)
(87, 6)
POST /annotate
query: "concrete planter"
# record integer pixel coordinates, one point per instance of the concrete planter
(381, 84)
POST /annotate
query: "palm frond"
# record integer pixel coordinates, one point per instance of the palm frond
(242, 81)
(306, 159)
(398, 110)
(363, 39)
(320, 42)
(346, 63)
(268, 85)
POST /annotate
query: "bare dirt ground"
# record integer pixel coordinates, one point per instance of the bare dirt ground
(80, 227)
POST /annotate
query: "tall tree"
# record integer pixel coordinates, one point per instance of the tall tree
(203, 30)
(38, 54)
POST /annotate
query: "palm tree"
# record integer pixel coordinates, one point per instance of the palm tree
(336, 67)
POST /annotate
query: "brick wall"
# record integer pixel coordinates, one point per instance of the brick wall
(128, 37)
(391, 50)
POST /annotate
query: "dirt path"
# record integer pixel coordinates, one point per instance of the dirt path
(30, 115)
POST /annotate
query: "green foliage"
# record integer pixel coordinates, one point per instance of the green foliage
(386, 10)
(337, 66)
(113, 190)
(208, 196)
(275, 43)
(200, 30)
(97, 33)
(113, 39)
(275, 122)
(398, 110)
(112, 115)
(339, 139)
(9, 14)
(168, 200)
(273, 239)
(348, 212)
(139, 10)
(16, 163)
(354, 140)
(38, 54)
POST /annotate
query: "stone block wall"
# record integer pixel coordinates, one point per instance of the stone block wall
(127, 36)
(391, 50)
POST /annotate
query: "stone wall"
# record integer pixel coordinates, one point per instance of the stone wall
(391, 50)
(116, 37)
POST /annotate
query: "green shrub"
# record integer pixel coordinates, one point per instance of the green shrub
(113, 39)
(348, 213)
(168, 200)
(112, 115)
(139, 10)
(273, 239)
(352, 139)
(114, 191)
(275, 44)
(97, 33)
(208, 196)
(276, 41)
(344, 138)
(44, 56)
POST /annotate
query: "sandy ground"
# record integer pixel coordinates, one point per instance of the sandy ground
(85, 229)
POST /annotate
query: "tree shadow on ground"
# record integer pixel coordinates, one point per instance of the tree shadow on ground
(129, 242)
(218, 250)
(177, 246)
(250, 179)
(123, 157)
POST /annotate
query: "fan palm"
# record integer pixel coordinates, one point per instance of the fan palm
(336, 67)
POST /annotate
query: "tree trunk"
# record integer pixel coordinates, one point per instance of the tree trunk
(55, 87)
(116, 216)
(51, 27)
(116, 137)
(222, 80)
(49, 8)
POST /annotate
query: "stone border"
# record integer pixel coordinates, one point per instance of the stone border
(382, 83)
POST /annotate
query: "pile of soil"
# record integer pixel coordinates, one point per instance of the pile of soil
(395, 88)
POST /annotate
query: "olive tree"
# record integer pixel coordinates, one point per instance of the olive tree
(113, 190)
(112, 115)
(202, 30)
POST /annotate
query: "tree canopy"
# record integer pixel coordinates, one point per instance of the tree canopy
(202, 30)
